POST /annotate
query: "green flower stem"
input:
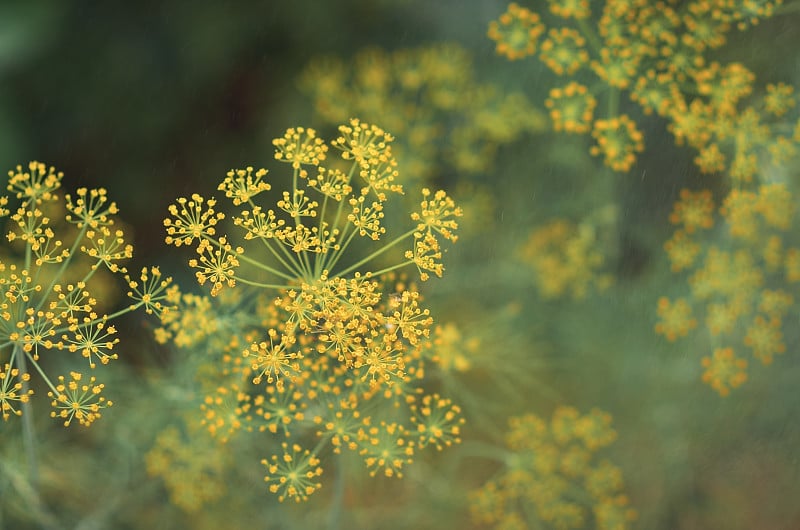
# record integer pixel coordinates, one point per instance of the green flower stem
(595, 44)
(336, 255)
(613, 102)
(66, 263)
(259, 284)
(378, 253)
(318, 263)
(251, 261)
(337, 500)
(390, 269)
(289, 267)
(38, 369)
(28, 431)
(341, 203)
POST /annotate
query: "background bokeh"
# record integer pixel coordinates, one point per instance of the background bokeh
(155, 100)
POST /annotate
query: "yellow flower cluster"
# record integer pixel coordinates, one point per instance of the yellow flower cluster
(190, 466)
(61, 256)
(658, 53)
(723, 370)
(430, 98)
(565, 258)
(551, 476)
(320, 339)
(744, 285)
(516, 32)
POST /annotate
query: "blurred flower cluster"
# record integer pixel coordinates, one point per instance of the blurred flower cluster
(430, 98)
(657, 52)
(742, 262)
(552, 476)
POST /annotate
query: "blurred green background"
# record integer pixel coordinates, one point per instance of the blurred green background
(155, 100)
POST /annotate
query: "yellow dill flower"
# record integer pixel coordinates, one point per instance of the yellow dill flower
(79, 400)
(657, 52)
(563, 51)
(775, 303)
(694, 210)
(386, 449)
(438, 421)
(560, 482)
(577, 9)
(617, 66)
(571, 108)
(62, 256)
(241, 185)
(307, 311)
(682, 250)
(779, 99)
(721, 318)
(293, 476)
(675, 318)
(12, 393)
(724, 370)
(191, 467)
(618, 140)
(565, 258)
(299, 147)
(739, 210)
(516, 32)
(764, 337)
(192, 219)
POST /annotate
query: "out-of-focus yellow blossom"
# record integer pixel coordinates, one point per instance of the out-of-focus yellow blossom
(742, 282)
(657, 52)
(675, 318)
(565, 258)
(551, 476)
(724, 371)
(516, 32)
(431, 99)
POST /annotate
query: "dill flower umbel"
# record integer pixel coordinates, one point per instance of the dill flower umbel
(441, 110)
(332, 343)
(742, 285)
(61, 251)
(551, 475)
(657, 53)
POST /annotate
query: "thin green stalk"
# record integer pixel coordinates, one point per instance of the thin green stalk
(66, 263)
(289, 265)
(337, 254)
(595, 44)
(252, 261)
(28, 431)
(321, 258)
(337, 500)
(262, 285)
(613, 102)
(378, 253)
(393, 267)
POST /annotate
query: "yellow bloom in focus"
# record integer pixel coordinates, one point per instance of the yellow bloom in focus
(77, 399)
(56, 279)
